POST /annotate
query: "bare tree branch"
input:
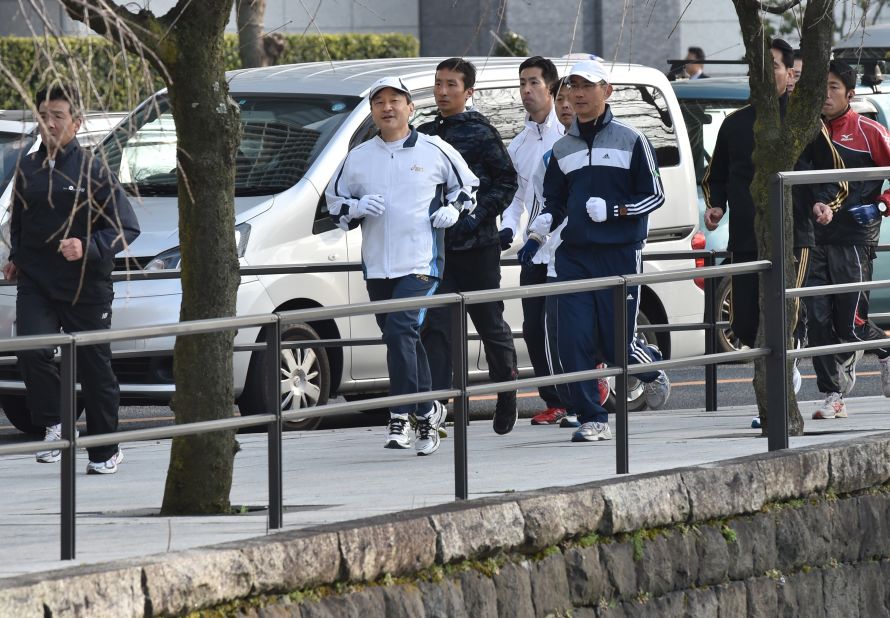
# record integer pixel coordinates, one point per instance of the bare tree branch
(777, 9)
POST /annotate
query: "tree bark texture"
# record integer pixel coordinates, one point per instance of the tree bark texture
(207, 131)
(186, 44)
(250, 17)
(777, 147)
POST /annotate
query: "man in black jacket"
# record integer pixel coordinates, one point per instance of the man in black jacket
(472, 246)
(726, 186)
(69, 219)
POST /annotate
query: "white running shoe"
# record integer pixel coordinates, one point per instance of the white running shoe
(397, 435)
(427, 439)
(832, 407)
(53, 434)
(657, 391)
(106, 467)
(592, 432)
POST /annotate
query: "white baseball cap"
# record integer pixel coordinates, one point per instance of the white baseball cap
(395, 83)
(591, 70)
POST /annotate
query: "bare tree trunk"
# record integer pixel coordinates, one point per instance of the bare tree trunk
(250, 17)
(778, 144)
(207, 131)
(186, 46)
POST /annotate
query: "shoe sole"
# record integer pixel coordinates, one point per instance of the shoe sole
(101, 470)
(425, 452)
(576, 438)
(534, 422)
(497, 429)
(819, 416)
(49, 458)
(393, 444)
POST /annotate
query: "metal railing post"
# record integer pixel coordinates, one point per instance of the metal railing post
(774, 329)
(273, 395)
(68, 371)
(458, 316)
(711, 316)
(621, 434)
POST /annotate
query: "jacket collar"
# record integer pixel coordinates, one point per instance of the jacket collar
(549, 121)
(63, 152)
(840, 119)
(410, 141)
(601, 122)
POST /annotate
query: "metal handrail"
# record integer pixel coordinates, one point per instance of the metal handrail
(774, 352)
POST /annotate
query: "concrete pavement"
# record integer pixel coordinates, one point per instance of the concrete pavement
(342, 474)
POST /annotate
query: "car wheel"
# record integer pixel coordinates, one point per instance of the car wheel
(16, 410)
(305, 379)
(726, 339)
(636, 399)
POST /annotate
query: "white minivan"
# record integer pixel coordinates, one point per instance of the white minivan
(299, 122)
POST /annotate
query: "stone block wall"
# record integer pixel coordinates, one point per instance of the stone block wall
(803, 532)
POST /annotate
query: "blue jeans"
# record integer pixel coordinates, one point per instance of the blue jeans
(406, 361)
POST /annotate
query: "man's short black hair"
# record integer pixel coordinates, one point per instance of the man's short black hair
(843, 72)
(556, 86)
(697, 52)
(59, 92)
(548, 69)
(786, 50)
(464, 67)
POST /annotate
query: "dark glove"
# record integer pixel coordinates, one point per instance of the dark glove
(506, 238)
(528, 251)
(468, 224)
(865, 213)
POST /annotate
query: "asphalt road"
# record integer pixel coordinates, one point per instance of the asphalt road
(734, 389)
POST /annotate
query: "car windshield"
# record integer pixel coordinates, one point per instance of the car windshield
(12, 145)
(703, 119)
(280, 138)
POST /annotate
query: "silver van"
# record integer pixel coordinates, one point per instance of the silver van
(299, 122)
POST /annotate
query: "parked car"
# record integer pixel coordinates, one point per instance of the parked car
(705, 104)
(298, 123)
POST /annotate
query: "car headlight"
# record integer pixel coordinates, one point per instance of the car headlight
(172, 258)
(168, 260)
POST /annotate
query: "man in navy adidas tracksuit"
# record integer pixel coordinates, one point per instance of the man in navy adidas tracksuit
(603, 180)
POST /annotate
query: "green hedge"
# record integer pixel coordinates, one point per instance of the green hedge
(112, 80)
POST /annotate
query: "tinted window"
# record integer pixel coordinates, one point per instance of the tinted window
(281, 137)
(645, 109)
(503, 108)
(703, 119)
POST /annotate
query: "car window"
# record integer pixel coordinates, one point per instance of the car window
(280, 138)
(645, 109)
(503, 108)
(703, 119)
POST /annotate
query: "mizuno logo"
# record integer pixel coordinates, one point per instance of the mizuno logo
(846, 137)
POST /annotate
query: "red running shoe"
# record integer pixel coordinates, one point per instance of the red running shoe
(550, 416)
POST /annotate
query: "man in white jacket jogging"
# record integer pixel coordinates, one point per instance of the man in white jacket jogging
(404, 189)
(542, 128)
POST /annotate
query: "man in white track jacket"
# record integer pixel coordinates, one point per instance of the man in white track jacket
(404, 189)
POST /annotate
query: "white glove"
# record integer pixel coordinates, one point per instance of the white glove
(369, 206)
(541, 224)
(446, 216)
(596, 209)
